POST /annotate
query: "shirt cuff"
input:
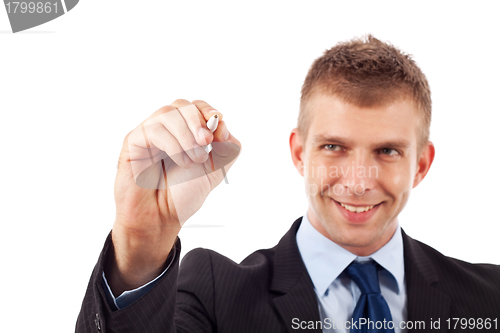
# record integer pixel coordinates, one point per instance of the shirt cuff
(130, 296)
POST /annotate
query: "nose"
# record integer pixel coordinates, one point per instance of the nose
(358, 174)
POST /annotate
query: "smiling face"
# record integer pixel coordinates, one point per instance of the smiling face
(359, 166)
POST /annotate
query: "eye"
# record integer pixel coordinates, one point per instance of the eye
(332, 147)
(389, 151)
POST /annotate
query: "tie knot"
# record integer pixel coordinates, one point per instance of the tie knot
(365, 276)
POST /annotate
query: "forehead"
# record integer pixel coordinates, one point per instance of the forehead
(330, 116)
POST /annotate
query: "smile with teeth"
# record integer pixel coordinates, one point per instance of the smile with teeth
(356, 209)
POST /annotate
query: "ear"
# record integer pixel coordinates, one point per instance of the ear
(297, 151)
(424, 162)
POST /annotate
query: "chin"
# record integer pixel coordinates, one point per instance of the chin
(357, 238)
(346, 234)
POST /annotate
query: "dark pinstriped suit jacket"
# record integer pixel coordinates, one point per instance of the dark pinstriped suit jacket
(271, 287)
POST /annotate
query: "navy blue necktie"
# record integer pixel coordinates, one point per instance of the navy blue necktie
(371, 304)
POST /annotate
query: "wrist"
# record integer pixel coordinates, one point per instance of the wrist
(135, 260)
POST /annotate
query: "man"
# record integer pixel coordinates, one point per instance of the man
(362, 143)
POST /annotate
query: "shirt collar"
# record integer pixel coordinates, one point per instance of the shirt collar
(325, 260)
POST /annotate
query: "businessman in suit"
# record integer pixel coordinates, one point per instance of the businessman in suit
(361, 144)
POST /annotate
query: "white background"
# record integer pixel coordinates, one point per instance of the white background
(73, 88)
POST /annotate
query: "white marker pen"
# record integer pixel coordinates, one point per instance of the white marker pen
(212, 124)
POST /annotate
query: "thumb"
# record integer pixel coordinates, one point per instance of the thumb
(222, 134)
(224, 143)
(225, 147)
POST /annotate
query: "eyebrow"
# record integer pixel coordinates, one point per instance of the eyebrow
(397, 143)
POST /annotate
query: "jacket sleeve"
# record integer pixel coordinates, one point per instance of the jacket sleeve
(130, 296)
(154, 312)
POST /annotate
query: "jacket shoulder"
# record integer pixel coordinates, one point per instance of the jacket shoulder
(465, 282)
(449, 266)
(201, 261)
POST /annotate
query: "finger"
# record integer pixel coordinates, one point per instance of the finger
(180, 103)
(160, 111)
(206, 110)
(196, 123)
(156, 134)
(177, 126)
(136, 138)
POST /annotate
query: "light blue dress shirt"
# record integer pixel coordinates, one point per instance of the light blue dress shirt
(336, 293)
(325, 262)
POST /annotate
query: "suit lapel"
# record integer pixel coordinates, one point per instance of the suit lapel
(425, 303)
(296, 299)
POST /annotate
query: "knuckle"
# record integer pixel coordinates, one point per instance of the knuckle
(199, 101)
(154, 129)
(127, 137)
(180, 102)
(203, 106)
(166, 108)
